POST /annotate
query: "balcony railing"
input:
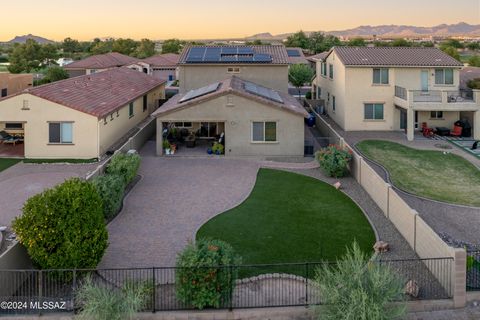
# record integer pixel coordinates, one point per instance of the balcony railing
(401, 92)
(427, 96)
(460, 96)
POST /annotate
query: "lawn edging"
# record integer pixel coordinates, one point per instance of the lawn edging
(389, 181)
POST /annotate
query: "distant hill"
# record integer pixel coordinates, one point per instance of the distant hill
(23, 39)
(392, 31)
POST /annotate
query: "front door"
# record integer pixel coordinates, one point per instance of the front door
(424, 80)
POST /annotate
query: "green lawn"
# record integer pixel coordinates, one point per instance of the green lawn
(291, 218)
(5, 163)
(430, 174)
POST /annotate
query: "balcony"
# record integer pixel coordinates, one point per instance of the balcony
(437, 99)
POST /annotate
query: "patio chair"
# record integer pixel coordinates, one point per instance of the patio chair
(4, 135)
(427, 132)
(456, 132)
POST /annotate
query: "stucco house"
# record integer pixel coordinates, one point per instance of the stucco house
(252, 120)
(12, 83)
(161, 66)
(80, 117)
(200, 66)
(388, 88)
(98, 63)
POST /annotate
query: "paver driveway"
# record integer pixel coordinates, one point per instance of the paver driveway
(173, 199)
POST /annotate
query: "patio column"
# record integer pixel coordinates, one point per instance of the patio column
(476, 125)
(159, 138)
(410, 123)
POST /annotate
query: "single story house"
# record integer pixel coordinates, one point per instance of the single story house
(252, 120)
(98, 63)
(80, 117)
(12, 83)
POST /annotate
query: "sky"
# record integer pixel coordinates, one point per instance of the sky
(210, 19)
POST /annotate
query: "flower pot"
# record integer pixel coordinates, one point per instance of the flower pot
(209, 151)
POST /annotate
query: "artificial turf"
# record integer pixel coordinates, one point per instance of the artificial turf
(291, 218)
(431, 174)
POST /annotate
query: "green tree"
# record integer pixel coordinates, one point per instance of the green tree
(145, 49)
(256, 42)
(452, 51)
(380, 43)
(356, 42)
(102, 47)
(298, 40)
(63, 227)
(427, 44)
(451, 43)
(172, 46)
(71, 46)
(124, 46)
(299, 74)
(25, 57)
(49, 53)
(474, 83)
(54, 73)
(473, 45)
(474, 61)
(401, 43)
(319, 42)
(357, 288)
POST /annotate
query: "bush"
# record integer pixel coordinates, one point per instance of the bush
(125, 165)
(357, 288)
(63, 227)
(334, 160)
(102, 303)
(308, 95)
(111, 188)
(200, 279)
(218, 148)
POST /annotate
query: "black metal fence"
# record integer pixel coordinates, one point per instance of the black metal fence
(473, 270)
(257, 286)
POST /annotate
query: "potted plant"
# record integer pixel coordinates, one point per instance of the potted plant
(218, 148)
(166, 146)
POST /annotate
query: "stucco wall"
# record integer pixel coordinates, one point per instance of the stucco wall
(238, 126)
(15, 82)
(164, 73)
(449, 118)
(36, 120)
(197, 76)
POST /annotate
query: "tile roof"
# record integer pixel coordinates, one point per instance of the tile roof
(395, 56)
(318, 56)
(233, 85)
(278, 53)
(295, 60)
(102, 61)
(98, 94)
(163, 60)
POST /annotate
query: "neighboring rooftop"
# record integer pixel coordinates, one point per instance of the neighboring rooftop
(102, 61)
(98, 94)
(467, 74)
(318, 56)
(264, 54)
(296, 56)
(395, 57)
(237, 86)
(163, 60)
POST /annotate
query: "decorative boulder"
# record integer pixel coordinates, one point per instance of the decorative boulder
(381, 247)
(412, 289)
(337, 185)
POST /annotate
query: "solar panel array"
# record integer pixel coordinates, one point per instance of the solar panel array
(192, 94)
(263, 92)
(293, 53)
(226, 55)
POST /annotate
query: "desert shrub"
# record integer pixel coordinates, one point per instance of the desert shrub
(63, 227)
(359, 288)
(125, 165)
(334, 160)
(111, 188)
(102, 303)
(201, 280)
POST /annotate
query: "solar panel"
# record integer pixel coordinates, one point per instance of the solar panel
(245, 50)
(229, 50)
(263, 92)
(225, 54)
(293, 53)
(192, 94)
(232, 58)
(262, 57)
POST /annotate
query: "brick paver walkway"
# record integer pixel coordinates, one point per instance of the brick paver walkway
(21, 181)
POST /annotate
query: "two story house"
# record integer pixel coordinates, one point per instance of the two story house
(388, 88)
(237, 95)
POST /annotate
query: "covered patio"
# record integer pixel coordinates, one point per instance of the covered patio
(12, 136)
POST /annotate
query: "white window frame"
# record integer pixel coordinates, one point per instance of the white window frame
(381, 80)
(443, 82)
(374, 104)
(264, 124)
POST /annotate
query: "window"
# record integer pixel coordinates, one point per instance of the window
(443, 76)
(183, 124)
(130, 110)
(264, 131)
(328, 97)
(436, 114)
(4, 92)
(145, 102)
(60, 132)
(323, 69)
(13, 125)
(373, 111)
(330, 71)
(233, 70)
(319, 92)
(380, 76)
(333, 103)
(92, 71)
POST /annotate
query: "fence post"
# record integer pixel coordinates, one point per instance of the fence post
(154, 291)
(459, 278)
(231, 286)
(74, 288)
(306, 284)
(40, 291)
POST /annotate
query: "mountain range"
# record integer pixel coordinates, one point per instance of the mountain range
(23, 39)
(391, 31)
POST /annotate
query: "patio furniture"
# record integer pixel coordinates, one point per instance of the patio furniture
(12, 140)
(190, 141)
(456, 132)
(5, 135)
(427, 132)
(442, 131)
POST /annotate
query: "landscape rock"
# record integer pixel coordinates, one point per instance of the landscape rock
(412, 289)
(381, 247)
